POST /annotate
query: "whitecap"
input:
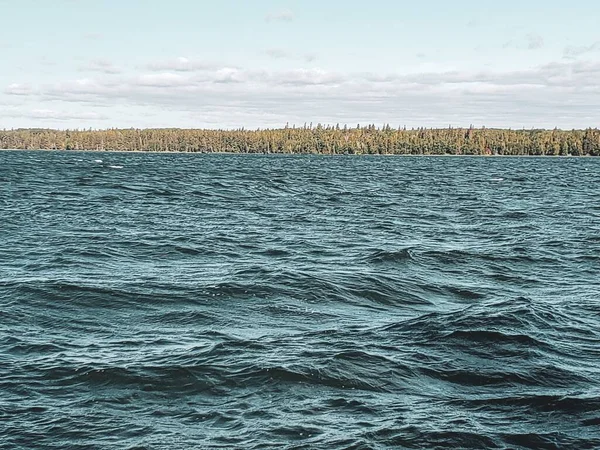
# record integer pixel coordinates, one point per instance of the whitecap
(116, 167)
(497, 179)
(99, 161)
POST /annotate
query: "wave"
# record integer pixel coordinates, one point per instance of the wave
(204, 301)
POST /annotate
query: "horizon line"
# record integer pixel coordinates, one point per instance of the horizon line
(304, 126)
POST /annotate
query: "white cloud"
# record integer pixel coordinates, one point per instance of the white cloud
(306, 77)
(101, 65)
(564, 94)
(229, 75)
(309, 57)
(534, 41)
(49, 114)
(181, 64)
(531, 41)
(279, 53)
(572, 51)
(53, 115)
(161, 80)
(18, 89)
(280, 16)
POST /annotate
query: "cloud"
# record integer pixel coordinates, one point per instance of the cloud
(18, 89)
(534, 41)
(161, 80)
(279, 53)
(572, 52)
(180, 64)
(49, 114)
(309, 57)
(280, 16)
(229, 75)
(53, 115)
(102, 66)
(531, 41)
(305, 77)
(564, 94)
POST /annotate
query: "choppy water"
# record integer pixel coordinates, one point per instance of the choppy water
(158, 301)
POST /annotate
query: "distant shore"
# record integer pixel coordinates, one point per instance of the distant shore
(325, 140)
(333, 155)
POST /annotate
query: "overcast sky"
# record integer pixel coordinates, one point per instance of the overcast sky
(265, 63)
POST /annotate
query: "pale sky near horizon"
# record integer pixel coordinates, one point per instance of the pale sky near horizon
(265, 63)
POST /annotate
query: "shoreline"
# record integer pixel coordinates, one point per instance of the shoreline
(404, 155)
(332, 141)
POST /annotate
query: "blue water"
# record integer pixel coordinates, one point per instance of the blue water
(175, 301)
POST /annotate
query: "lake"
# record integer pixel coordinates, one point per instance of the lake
(154, 301)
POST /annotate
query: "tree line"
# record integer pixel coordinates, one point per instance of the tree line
(316, 139)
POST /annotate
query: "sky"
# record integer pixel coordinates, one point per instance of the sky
(266, 63)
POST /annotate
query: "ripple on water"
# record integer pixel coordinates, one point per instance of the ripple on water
(219, 301)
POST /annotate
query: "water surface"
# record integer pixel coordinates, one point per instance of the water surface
(158, 301)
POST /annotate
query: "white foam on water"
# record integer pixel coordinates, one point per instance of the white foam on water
(497, 179)
(116, 167)
(99, 161)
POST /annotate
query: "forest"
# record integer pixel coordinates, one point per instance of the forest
(316, 140)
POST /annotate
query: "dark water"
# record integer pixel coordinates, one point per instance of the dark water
(166, 301)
